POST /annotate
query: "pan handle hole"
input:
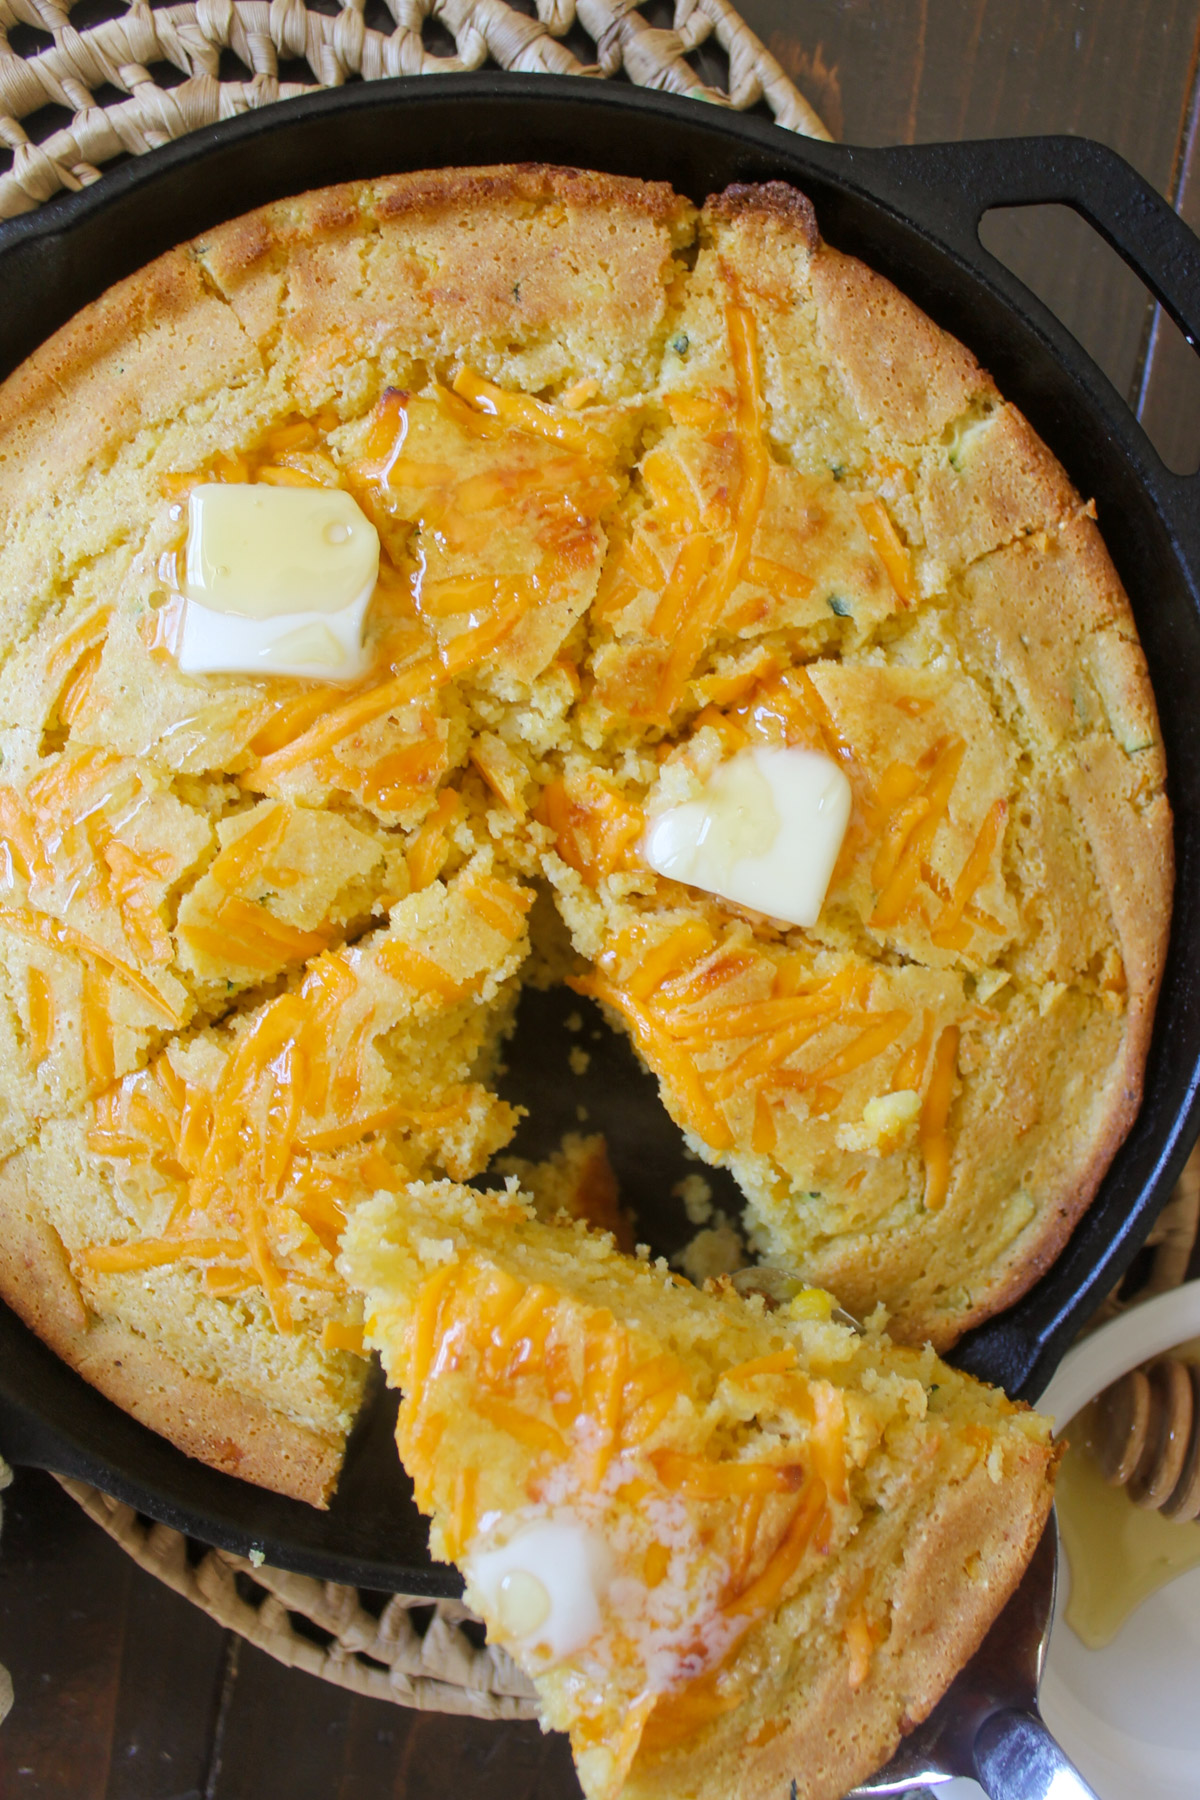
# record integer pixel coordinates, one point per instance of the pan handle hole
(1104, 304)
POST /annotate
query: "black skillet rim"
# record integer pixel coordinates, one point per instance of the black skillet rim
(922, 206)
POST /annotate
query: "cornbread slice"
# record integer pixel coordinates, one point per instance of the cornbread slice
(735, 1550)
(183, 1228)
(133, 908)
(286, 882)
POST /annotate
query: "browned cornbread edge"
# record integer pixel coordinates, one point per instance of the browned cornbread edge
(998, 1522)
(219, 1426)
(911, 378)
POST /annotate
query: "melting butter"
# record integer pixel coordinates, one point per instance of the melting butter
(544, 1587)
(765, 832)
(1118, 1553)
(278, 581)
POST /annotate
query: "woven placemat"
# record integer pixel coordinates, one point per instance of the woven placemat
(161, 67)
(418, 1652)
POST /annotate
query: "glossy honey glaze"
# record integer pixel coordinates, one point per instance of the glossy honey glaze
(1118, 1553)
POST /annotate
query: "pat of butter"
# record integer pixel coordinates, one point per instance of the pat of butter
(278, 582)
(765, 832)
(543, 1589)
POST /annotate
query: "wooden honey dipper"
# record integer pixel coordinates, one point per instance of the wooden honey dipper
(1144, 1431)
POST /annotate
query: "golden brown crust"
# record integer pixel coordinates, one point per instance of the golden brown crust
(457, 260)
(221, 1427)
(938, 1620)
(768, 199)
(903, 374)
(448, 190)
(138, 355)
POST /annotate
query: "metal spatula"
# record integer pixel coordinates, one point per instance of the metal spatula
(987, 1724)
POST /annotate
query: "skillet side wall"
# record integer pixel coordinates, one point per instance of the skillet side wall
(881, 205)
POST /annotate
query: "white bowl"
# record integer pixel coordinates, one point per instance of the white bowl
(1127, 1715)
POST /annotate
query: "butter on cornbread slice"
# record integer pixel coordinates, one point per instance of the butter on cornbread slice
(734, 1549)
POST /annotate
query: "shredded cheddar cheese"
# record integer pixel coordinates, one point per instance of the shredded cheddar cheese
(534, 416)
(935, 1146)
(430, 848)
(887, 544)
(950, 928)
(54, 935)
(691, 625)
(82, 644)
(264, 1156)
(594, 828)
(40, 1002)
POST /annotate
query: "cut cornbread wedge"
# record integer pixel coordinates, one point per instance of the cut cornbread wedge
(132, 910)
(287, 882)
(844, 542)
(734, 1549)
(95, 849)
(175, 1242)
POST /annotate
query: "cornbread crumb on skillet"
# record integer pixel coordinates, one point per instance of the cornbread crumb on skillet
(796, 1534)
(576, 1179)
(652, 485)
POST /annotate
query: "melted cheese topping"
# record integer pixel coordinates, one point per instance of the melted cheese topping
(497, 519)
(264, 1158)
(711, 1050)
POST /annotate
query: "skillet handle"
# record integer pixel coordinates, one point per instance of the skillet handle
(961, 182)
(951, 186)
(1016, 1758)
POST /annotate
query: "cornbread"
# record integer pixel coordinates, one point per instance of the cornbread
(653, 487)
(198, 1202)
(577, 1179)
(736, 1550)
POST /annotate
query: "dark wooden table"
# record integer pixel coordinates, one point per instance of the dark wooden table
(124, 1691)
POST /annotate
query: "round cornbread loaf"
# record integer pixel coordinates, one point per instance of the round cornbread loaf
(652, 485)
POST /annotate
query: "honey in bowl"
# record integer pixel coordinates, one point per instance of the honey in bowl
(1120, 1546)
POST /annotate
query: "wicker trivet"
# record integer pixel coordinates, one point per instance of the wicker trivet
(120, 54)
(414, 1652)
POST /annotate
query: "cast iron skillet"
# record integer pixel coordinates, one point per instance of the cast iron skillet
(912, 213)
